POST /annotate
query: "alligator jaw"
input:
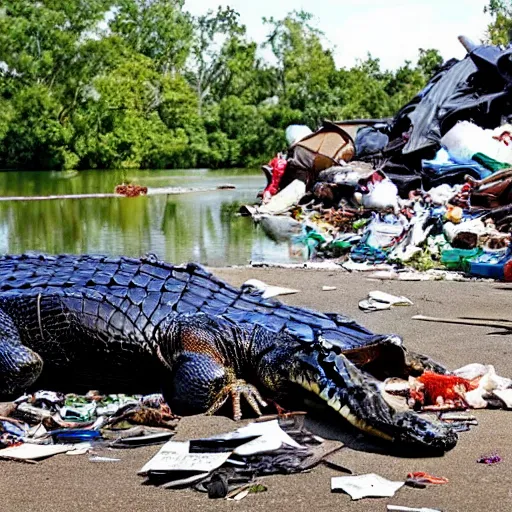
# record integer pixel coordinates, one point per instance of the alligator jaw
(342, 409)
(359, 399)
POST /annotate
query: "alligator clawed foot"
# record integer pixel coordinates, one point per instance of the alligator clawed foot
(235, 390)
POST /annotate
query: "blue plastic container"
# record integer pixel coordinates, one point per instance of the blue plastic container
(490, 264)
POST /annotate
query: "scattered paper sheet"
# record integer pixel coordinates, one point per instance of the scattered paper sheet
(271, 437)
(363, 486)
(394, 300)
(27, 451)
(257, 437)
(378, 300)
(267, 290)
(175, 456)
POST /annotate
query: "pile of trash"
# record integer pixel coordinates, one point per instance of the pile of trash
(228, 465)
(474, 386)
(45, 423)
(431, 188)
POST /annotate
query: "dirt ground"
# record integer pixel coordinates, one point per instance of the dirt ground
(66, 483)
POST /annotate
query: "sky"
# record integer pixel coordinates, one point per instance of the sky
(392, 30)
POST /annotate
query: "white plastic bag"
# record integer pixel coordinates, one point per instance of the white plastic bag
(382, 195)
(296, 132)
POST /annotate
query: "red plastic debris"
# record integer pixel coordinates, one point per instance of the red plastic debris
(426, 478)
(449, 388)
(278, 165)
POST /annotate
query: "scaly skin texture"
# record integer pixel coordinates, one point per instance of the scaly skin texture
(82, 322)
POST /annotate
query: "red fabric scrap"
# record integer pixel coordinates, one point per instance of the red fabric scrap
(278, 167)
(448, 387)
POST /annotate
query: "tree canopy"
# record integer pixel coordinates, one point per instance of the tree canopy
(144, 84)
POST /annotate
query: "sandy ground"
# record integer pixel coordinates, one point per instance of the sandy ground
(66, 483)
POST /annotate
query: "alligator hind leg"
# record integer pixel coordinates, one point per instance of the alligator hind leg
(19, 366)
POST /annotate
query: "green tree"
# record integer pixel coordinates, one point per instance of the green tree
(429, 61)
(143, 83)
(34, 138)
(119, 126)
(498, 32)
(304, 67)
(39, 41)
(207, 62)
(159, 29)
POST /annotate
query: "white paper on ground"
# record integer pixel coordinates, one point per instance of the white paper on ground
(28, 451)
(175, 456)
(362, 486)
(267, 289)
(269, 437)
(380, 300)
(372, 305)
(390, 299)
(272, 436)
(80, 449)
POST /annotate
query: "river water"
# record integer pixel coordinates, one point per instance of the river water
(198, 226)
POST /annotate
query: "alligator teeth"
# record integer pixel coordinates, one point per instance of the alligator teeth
(361, 424)
(315, 388)
(335, 403)
(344, 410)
(324, 395)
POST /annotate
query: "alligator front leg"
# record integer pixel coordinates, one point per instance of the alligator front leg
(236, 389)
(204, 374)
(19, 366)
(200, 384)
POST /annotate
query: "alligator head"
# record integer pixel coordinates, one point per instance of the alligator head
(354, 394)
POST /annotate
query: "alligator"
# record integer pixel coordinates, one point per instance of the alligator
(143, 325)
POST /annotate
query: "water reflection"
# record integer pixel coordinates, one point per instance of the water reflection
(199, 227)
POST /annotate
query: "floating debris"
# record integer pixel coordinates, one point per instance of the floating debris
(129, 190)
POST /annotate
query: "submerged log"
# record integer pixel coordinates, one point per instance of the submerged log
(150, 192)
